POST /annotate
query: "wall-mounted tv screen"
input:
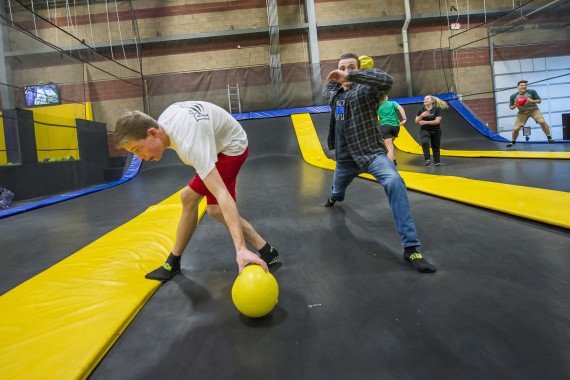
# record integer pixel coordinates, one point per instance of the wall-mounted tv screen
(42, 94)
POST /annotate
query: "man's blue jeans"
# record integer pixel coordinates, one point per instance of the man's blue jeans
(386, 174)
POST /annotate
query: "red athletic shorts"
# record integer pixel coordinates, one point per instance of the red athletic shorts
(228, 167)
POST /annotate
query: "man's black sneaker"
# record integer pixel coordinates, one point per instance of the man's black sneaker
(510, 145)
(270, 257)
(551, 141)
(438, 164)
(419, 263)
(428, 161)
(163, 273)
(330, 202)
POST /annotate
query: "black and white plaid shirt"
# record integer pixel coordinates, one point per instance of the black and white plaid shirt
(362, 100)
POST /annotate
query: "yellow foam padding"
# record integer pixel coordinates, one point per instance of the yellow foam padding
(60, 323)
(56, 136)
(406, 143)
(88, 111)
(547, 206)
(3, 156)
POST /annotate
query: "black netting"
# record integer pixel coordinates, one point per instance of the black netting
(63, 62)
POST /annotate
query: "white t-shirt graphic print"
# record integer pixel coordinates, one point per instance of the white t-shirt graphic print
(198, 131)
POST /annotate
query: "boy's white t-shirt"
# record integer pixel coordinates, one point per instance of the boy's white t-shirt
(198, 131)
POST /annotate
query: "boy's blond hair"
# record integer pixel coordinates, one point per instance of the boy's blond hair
(132, 125)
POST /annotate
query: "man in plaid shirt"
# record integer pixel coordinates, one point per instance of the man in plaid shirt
(354, 97)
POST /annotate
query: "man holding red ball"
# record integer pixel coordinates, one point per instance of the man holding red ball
(526, 101)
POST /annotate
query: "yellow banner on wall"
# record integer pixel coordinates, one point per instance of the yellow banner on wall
(3, 156)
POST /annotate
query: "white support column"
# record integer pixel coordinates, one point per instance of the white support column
(406, 46)
(7, 93)
(275, 54)
(314, 59)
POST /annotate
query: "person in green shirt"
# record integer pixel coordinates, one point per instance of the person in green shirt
(388, 119)
(390, 125)
(527, 106)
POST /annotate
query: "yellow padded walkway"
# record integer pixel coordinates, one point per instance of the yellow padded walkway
(406, 143)
(60, 323)
(547, 206)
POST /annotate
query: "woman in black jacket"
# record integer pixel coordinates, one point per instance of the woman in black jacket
(429, 119)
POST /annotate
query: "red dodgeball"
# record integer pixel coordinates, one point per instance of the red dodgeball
(521, 101)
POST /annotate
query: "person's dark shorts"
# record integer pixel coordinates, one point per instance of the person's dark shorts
(228, 167)
(389, 131)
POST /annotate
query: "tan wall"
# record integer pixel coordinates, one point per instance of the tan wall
(213, 60)
(203, 23)
(92, 34)
(428, 39)
(60, 74)
(467, 39)
(530, 36)
(254, 51)
(356, 9)
(292, 53)
(109, 111)
(180, 24)
(72, 73)
(472, 80)
(462, 5)
(371, 46)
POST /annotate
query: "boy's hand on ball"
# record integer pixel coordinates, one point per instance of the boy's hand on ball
(245, 256)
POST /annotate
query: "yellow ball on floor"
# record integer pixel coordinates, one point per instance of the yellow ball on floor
(255, 292)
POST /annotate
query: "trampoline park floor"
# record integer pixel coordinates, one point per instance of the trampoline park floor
(349, 306)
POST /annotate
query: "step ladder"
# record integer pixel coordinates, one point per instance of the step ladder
(527, 131)
(234, 101)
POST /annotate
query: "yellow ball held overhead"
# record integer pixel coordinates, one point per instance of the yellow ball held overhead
(366, 62)
(255, 292)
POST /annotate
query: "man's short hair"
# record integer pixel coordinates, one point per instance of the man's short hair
(350, 56)
(132, 125)
(521, 81)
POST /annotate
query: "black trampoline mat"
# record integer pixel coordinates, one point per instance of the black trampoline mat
(349, 306)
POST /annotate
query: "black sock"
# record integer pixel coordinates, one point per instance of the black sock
(173, 260)
(513, 142)
(166, 271)
(410, 250)
(269, 254)
(549, 137)
(266, 249)
(417, 260)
